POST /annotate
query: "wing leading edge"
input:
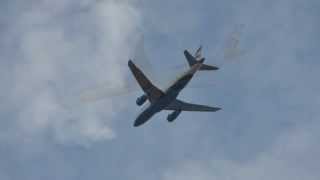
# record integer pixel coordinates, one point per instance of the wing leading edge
(184, 106)
(151, 90)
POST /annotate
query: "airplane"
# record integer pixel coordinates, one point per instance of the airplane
(167, 100)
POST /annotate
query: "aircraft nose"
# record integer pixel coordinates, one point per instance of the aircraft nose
(136, 124)
(142, 118)
(139, 121)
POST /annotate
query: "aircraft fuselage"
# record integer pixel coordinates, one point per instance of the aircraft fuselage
(169, 96)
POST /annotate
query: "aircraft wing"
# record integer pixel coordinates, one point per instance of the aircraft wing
(184, 106)
(151, 91)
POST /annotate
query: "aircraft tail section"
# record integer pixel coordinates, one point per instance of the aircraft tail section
(191, 60)
(194, 60)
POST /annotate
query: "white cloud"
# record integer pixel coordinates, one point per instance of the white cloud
(61, 53)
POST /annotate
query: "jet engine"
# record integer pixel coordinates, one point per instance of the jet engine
(141, 100)
(171, 117)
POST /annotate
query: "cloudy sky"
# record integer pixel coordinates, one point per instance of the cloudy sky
(52, 51)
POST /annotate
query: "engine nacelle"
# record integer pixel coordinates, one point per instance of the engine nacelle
(171, 117)
(141, 100)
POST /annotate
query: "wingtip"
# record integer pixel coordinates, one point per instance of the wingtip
(130, 63)
(214, 109)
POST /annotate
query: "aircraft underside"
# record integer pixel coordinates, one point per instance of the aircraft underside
(166, 100)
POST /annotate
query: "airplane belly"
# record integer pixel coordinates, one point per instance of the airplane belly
(166, 100)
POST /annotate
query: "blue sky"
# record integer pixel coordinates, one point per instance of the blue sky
(51, 51)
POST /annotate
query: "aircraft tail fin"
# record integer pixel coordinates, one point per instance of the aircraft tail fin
(194, 60)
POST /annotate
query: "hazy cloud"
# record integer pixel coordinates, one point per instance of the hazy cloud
(290, 157)
(52, 51)
(61, 50)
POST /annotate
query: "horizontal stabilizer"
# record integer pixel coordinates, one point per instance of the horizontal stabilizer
(205, 67)
(191, 60)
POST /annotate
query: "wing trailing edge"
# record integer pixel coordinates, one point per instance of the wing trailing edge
(179, 105)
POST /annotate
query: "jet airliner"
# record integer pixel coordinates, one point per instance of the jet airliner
(167, 100)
